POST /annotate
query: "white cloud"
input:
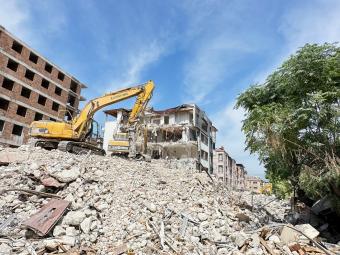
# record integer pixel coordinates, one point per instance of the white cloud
(23, 19)
(229, 123)
(13, 16)
(314, 22)
(209, 67)
(216, 39)
(137, 62)
(54, 24)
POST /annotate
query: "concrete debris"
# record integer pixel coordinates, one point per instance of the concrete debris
(59, 231)
(42, 221)
(120, 206)
(8, 156)
(67, 175)
(74, 218)
(288, 235)
(308, 230)
(51, 182)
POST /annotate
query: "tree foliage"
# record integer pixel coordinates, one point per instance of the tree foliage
(292, 120)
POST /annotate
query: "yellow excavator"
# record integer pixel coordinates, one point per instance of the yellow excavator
(266, 188)
(74, 136)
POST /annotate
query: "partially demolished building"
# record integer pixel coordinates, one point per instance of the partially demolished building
(227, 171)
(181, 132)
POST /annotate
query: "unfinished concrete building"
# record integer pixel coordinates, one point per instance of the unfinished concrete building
(227, 171)
(184, 131)
(31, 88)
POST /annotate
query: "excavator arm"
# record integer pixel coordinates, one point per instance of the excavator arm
(141, 102)
(82, 122)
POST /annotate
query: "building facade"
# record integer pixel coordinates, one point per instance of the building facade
(227, 171)
(31, 88)
(254, 183)
(184, 131)
(241, 176)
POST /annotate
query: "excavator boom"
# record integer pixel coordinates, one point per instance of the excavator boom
(143, 91)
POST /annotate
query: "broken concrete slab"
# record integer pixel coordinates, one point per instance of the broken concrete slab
(67, 175)
(288, 235)
(308, 230)
(7, 157)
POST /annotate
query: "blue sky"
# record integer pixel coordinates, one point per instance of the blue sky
(203, 52)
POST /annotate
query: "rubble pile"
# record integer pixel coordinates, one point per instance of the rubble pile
(56, 202)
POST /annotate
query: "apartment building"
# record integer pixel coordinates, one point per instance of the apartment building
(240, 176)
(227, 171)
(31, 88)
(254, 183)
(184, 131)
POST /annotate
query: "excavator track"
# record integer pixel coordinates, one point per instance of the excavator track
(69, 146)
(44, 143)
(79, 147)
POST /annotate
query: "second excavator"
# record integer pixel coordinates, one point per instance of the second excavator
(74, 136)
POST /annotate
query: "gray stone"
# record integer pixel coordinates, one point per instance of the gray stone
(93, 237)
(196, 231)
(204, 224)
(59, 231)
(101, 206)
(86, 225)
(69, 198)
(150, 206)
(254, 251)
(66, 175)
(34, 166)
(99, 173)
(255, 240)
(40, 188)
(274, 239)
(222, 251)
(216, 236)
(74, 218)
(71, 231)
(240, 239)
(5, 249)
(194, 239)
(68, 240)
(51, 244)
(202, 216)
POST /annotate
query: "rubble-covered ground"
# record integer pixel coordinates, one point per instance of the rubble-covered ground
(121, 206)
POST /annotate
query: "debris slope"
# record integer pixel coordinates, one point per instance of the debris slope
(121, 206)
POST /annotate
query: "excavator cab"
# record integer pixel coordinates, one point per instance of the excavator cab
(94, 134)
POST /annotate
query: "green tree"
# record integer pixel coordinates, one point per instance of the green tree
(292, 120)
